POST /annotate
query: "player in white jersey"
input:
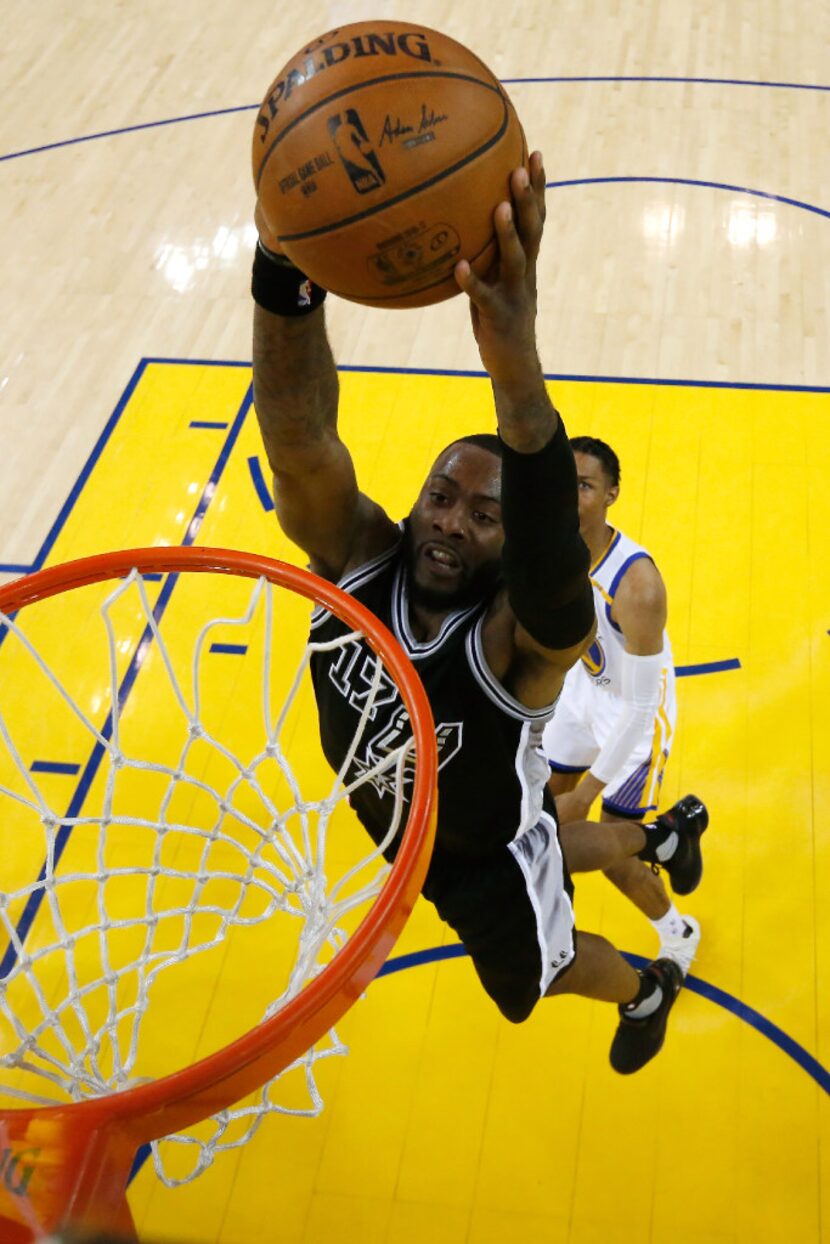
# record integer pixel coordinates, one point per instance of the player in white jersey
(614, 723)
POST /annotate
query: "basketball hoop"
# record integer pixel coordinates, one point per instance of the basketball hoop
(68, 1151)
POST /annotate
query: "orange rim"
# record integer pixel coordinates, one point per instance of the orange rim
(214, 1083)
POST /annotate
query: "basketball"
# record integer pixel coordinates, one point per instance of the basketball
(380, 151)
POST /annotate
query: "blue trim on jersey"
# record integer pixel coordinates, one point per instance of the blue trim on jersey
(557, 768)
(635, 814)
(645, 812)
(615, 583)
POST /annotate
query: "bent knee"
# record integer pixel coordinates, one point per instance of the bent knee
(515, 1003)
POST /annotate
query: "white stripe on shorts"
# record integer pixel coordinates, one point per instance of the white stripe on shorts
(539, 855)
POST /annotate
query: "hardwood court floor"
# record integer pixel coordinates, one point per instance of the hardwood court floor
(683, 312)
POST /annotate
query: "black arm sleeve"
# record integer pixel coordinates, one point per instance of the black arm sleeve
(545, 559)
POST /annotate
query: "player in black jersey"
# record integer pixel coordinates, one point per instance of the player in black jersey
(486, 586)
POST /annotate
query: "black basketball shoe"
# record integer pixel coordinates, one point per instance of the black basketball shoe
(636, 1041)
(674, 843)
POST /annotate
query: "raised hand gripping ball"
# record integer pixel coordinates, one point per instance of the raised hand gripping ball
(379, 153)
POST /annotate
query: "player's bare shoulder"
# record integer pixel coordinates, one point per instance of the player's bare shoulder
(640, 601)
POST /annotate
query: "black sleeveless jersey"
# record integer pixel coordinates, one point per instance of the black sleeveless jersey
(492, 770)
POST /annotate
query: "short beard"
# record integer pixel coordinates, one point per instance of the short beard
(478, 587)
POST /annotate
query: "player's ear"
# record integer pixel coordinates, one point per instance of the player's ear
(611, 494)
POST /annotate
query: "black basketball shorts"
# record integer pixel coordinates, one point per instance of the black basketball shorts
(513, 912)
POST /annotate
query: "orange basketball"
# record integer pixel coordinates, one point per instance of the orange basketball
(379, 153)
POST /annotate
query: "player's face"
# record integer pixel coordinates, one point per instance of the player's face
(596, 492)
(455, 529)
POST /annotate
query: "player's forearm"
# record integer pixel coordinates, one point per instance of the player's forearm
(643, 680)
(633, 728)
(295, 384)
(526, 416)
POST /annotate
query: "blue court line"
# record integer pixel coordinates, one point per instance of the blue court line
(96, 756)
(427, 956)
(262, 489)
(54, 766)
(584, 377)
(693, 983)
(78, 486)
(707, 667)
(191, 362)
(790, 86)
(207, 423)
(692, 181)
(755, 1019)
(233, 650)
(100, 444)
(481, 374)
(416, 958)
(86, 470)
(128, 129)
(19, 568)
(223, 112)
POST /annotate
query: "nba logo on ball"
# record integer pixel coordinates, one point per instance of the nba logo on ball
(379, 154)
(356, 152)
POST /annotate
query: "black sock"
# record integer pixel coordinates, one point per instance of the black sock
(649, 996)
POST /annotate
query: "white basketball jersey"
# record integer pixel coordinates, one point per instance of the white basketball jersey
(602, 662)
(591, 703)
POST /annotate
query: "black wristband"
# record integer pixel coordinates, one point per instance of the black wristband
(277, 286)
(545, 559)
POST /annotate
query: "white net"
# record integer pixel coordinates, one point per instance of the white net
(182, 879)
